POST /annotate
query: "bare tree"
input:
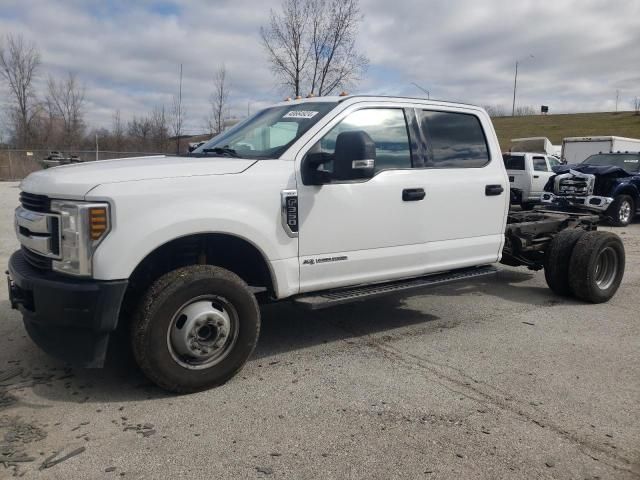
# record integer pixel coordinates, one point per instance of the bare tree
(66, 101)
(117, 132)
(286, 42)
(159, 129)
(139, 130)
(176, 122)
(336, 61)
(495, 110)
(525, 110)
(218, 101)
(19, 64)
(311, 45)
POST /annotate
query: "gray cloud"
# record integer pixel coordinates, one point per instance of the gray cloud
(128, 53)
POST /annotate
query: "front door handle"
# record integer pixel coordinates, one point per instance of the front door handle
(536, 176)
(413, 194)
(491, 190)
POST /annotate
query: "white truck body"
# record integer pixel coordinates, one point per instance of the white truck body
(577, 149)
(529, 172)
(239, 197)
(320, 201)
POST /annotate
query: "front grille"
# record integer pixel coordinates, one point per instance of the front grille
(573, 186)
(36, 260)
(36, 203)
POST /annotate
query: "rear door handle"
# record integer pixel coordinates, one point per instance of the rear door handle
(413, 194)
(492, 190)
(536, 176)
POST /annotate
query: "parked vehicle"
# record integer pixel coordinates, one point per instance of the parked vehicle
(320, 201)
(578, 149)
(606, 183)
(535, 145)
(55, 159)
(528, 174)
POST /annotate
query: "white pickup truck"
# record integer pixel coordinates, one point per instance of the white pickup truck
(528, 174)
(319, 201)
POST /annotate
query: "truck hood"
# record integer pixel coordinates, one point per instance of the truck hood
(608, 170)
(75, 181)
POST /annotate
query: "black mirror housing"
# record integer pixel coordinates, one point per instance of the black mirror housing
(355, 156)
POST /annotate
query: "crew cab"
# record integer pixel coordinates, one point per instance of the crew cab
(605, 183)
(528, 174)
(318, 202)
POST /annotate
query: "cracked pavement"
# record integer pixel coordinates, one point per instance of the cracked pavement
(494, 378)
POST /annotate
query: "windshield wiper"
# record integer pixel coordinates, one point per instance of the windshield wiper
(221, 151)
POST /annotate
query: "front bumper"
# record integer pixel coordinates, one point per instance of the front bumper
(593, 203)
(68, 318)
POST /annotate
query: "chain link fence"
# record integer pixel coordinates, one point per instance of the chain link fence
(17, 164)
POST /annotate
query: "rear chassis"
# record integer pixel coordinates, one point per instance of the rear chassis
(529, 234)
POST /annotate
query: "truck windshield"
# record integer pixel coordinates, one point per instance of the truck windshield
(627, 161)
(268, 133)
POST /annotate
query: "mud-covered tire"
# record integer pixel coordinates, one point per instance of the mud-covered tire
(155, 319)
(597, 266)
(527, 205)
(622, 211)
(557, 259)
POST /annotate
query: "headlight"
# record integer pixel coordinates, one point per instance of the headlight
(82, 227)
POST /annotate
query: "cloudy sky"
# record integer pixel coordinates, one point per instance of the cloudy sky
(128, 53)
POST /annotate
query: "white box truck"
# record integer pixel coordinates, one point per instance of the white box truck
(577, 149)
(535, 145)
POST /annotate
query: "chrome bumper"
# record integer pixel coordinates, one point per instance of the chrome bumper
(588, 202)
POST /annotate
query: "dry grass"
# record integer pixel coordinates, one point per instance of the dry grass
(557, 127)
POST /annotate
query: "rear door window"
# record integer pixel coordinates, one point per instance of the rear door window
(540, 164)
(454, 140)
(513, 162)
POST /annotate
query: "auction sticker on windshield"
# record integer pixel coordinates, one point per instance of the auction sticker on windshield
(300, 114)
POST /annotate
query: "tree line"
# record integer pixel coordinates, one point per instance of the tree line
(56, 118)
(309, 44)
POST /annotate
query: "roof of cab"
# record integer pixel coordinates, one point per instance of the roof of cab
(375, 98)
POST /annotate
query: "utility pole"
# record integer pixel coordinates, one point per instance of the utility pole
(617, 99)
(424, 90)
(515, 87)
(97, 148)
(179, 114)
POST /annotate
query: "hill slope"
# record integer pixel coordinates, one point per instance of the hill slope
(557, 127)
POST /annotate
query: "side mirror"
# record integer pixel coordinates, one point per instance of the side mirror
(311, 172)
(355, 156)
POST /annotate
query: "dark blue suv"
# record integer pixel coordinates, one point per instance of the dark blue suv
(607, 183)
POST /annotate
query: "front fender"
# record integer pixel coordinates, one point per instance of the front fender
(626, 188)
(144, 221)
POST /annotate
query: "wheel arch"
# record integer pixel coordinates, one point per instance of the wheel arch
(628, 189)
(230, 251)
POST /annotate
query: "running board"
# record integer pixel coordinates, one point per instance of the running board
(330, 298)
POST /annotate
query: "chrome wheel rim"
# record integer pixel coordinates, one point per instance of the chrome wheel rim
(606, 268)
(203, 332)
(624, 214)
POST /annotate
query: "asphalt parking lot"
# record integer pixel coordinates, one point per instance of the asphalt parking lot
(495, 378)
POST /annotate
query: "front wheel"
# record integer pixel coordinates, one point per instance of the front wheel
(195, 328)
(597, 266)
(622, 211)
